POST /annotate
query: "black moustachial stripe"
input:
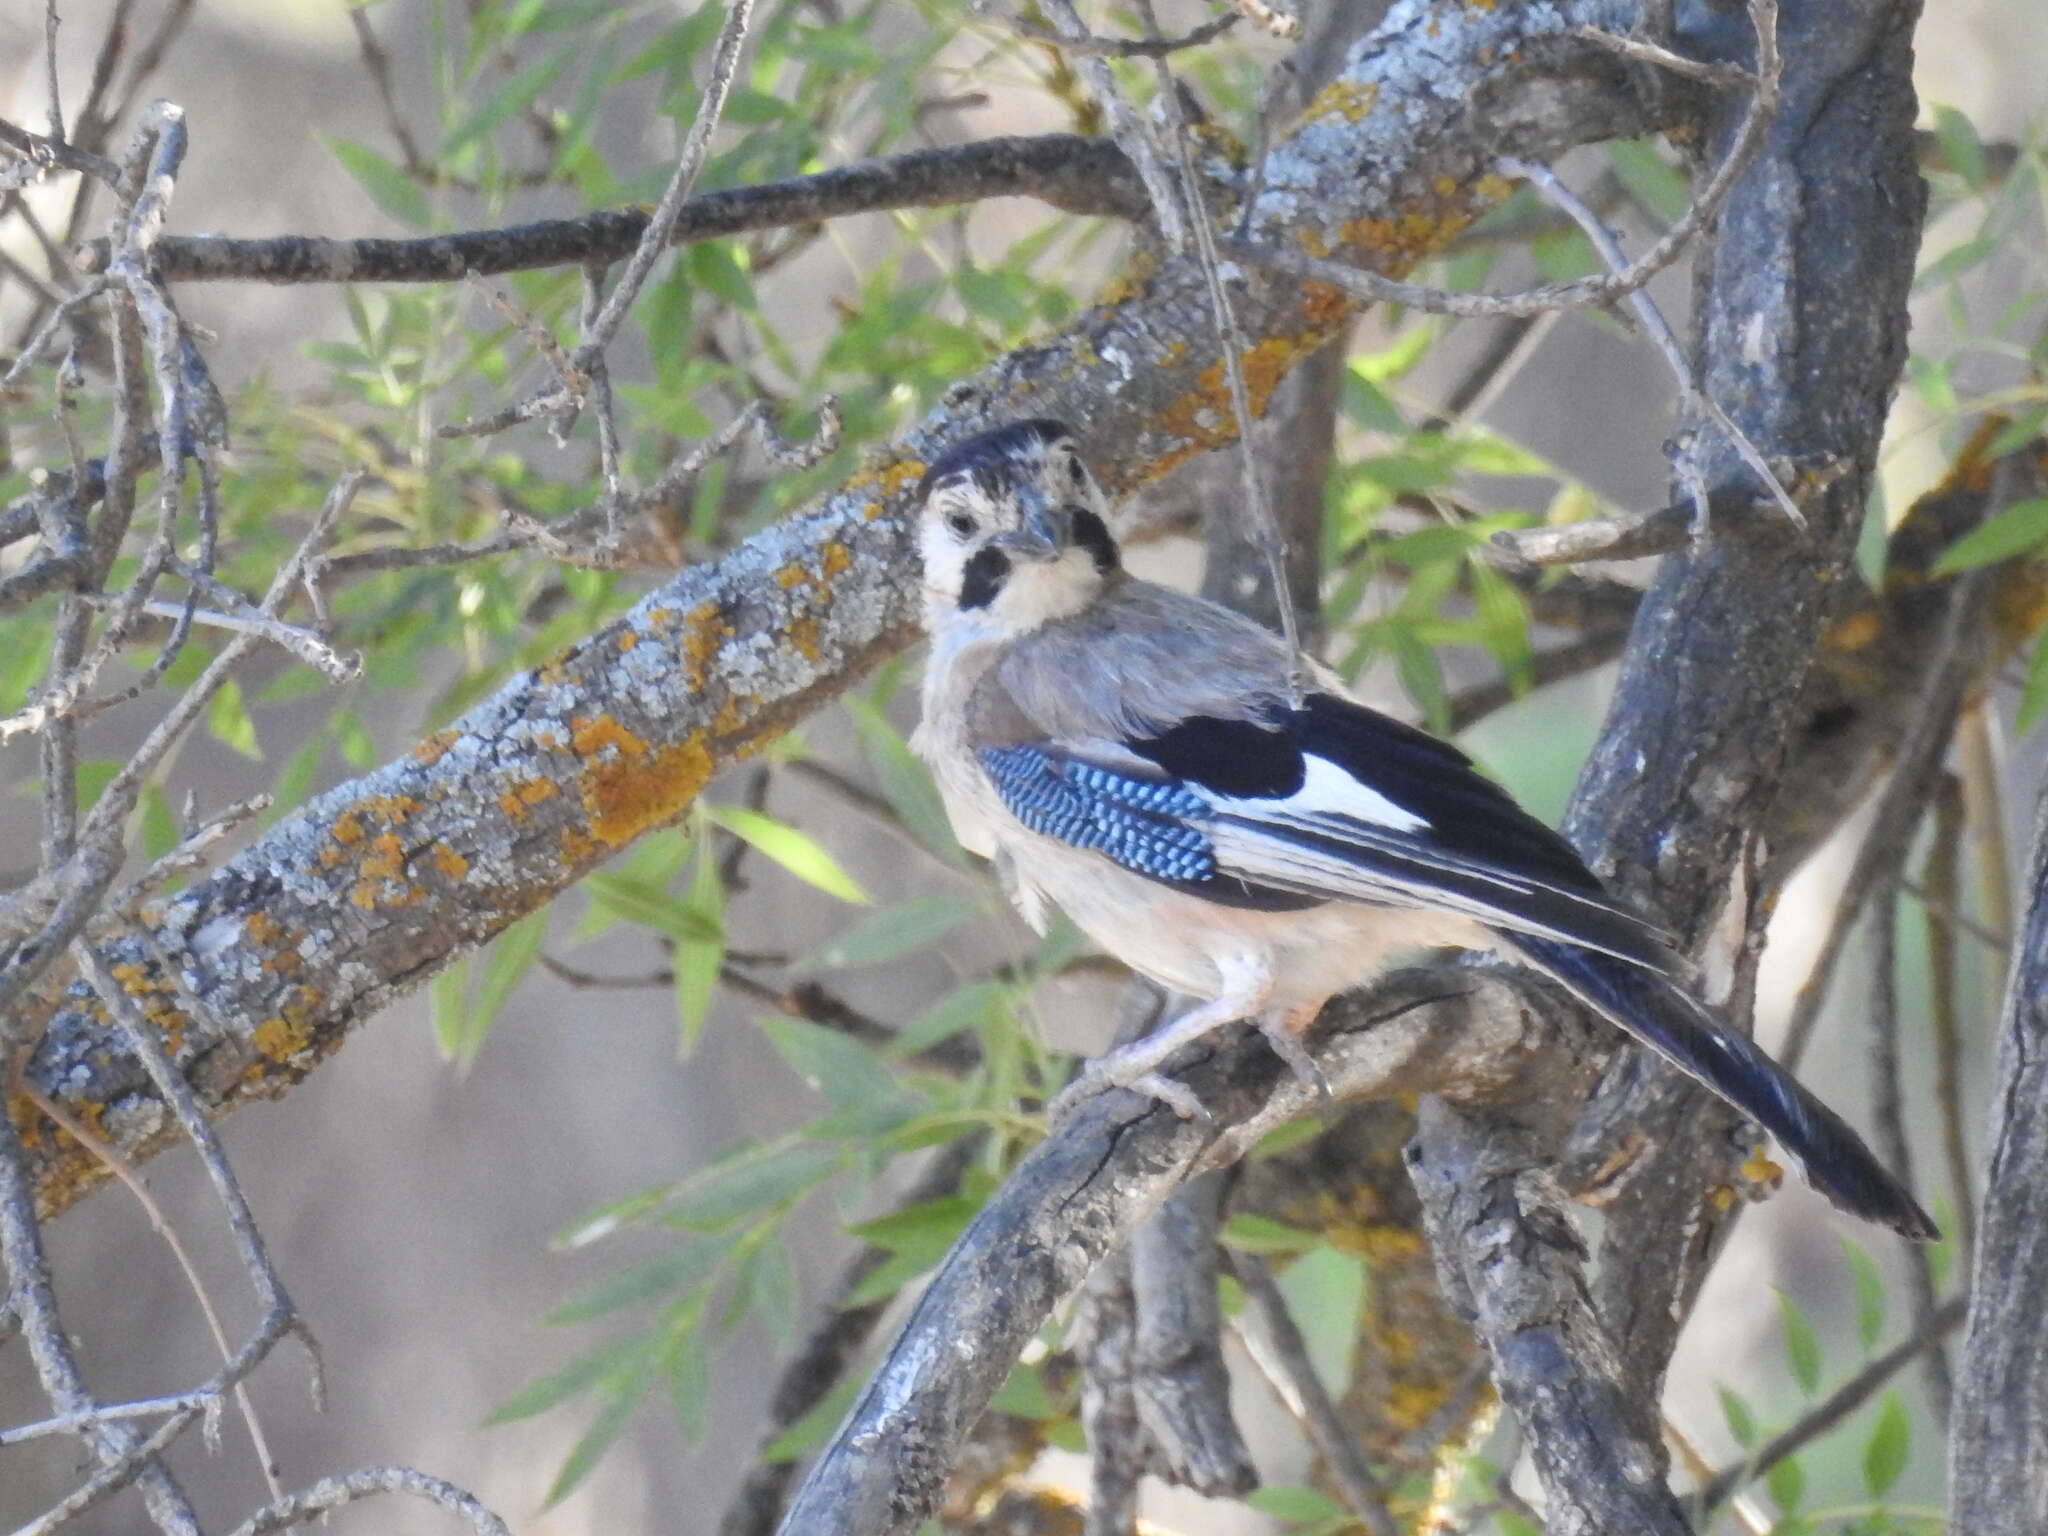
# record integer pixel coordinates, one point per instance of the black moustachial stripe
(987, 570)
(1092, 534)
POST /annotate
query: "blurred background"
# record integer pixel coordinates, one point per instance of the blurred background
(411, 1200)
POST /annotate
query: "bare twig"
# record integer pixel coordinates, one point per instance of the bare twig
(1128, 47)
(1282, 1356)
(1837, 1405)
(1644, 51)
(332, 1493)
(725, 62)
(1074, 173)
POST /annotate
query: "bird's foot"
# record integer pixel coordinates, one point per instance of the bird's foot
(1287, 1046)
(1107, 1072)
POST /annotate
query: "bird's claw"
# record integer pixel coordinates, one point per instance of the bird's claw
(1306, 1069)
(1103, 1075)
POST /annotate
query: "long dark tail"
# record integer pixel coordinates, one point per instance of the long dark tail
(1662, 1015)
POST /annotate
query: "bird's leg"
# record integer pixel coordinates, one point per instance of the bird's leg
(1136, 1066)
(1283, 1032)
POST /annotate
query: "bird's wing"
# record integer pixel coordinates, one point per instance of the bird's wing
(1255, 802)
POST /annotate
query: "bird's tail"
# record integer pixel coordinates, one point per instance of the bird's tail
(1655, 1010)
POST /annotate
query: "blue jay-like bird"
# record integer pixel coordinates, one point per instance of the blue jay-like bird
(1136, 756)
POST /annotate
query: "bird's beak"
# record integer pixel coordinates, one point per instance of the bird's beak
(1041, 536)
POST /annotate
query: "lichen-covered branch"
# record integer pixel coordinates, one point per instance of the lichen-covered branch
(380, 883)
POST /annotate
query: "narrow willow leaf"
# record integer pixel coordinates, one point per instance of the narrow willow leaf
(1741, 1421)
(688, 1264)
(891, 932)
(227, 717)
(1802, 1346)
(621, 1399)
(699, 959)
(579, 1375)
(2021, 527)
(1891, 1441)
(795, 851)
(394, 192)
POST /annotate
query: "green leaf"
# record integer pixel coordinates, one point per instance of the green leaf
(1787, 1483)
(227, 717)
(795, 851)
(1741, 1422)
(972, 1005)
(1252, 1233)
(686, 1265)
(687, 1365)
(510, 958)
(749, 1185)
(1891, 1440)
(2019, 528)
(847, 1073)
(894, 931)
(771, 1286)
(1325, 1291)
(699, 959)
(905, 783)
(396, 193)
(1294, 1503)
(1651, 179)
(579, 1375)
(810, 1432)
(2017, 433)
(1023, 1395)
(159, 826)
(448, 1011)
(2034, 695)
(1870, 1298)
(919, 1235)
(621, 1399)
(1961, 147)
(1802, 1346)
(622, 896)
(511, 98)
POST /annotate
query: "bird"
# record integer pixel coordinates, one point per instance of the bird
(1217, 812)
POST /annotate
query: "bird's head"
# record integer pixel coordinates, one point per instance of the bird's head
(1013, 528)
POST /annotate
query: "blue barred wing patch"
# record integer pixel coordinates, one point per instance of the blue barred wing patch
(1141, 824)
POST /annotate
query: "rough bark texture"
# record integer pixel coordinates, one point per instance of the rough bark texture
(1085, 1189)
(1706, 702)
(377, 885)
(1998, 1445)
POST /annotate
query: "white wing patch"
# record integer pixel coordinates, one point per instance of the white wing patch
(1328, 790)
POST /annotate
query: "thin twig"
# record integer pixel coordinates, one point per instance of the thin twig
(332, 1493)
(1230, 337)
(1128, 47)
(1692, 394)
(1837, 1406)
(1888, 1119)
(1282, 1357)
(725, 61)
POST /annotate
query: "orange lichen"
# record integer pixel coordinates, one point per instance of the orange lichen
(1856, 630)
(279, 1040)
(1346, 99)
(731, 718)
(892, 480)
(791, 575)
(348, 828)
(435, 747)
(261, 928)
(803, 636)
(705, 631)
(523, 796)
(452, 865)
(835, 559)
(629, 786)
(627, 640)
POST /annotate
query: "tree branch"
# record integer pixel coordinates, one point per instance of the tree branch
(375, 886)
(1072, 172)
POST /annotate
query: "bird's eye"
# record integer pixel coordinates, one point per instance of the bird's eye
(1077, 473)
(960, 523)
